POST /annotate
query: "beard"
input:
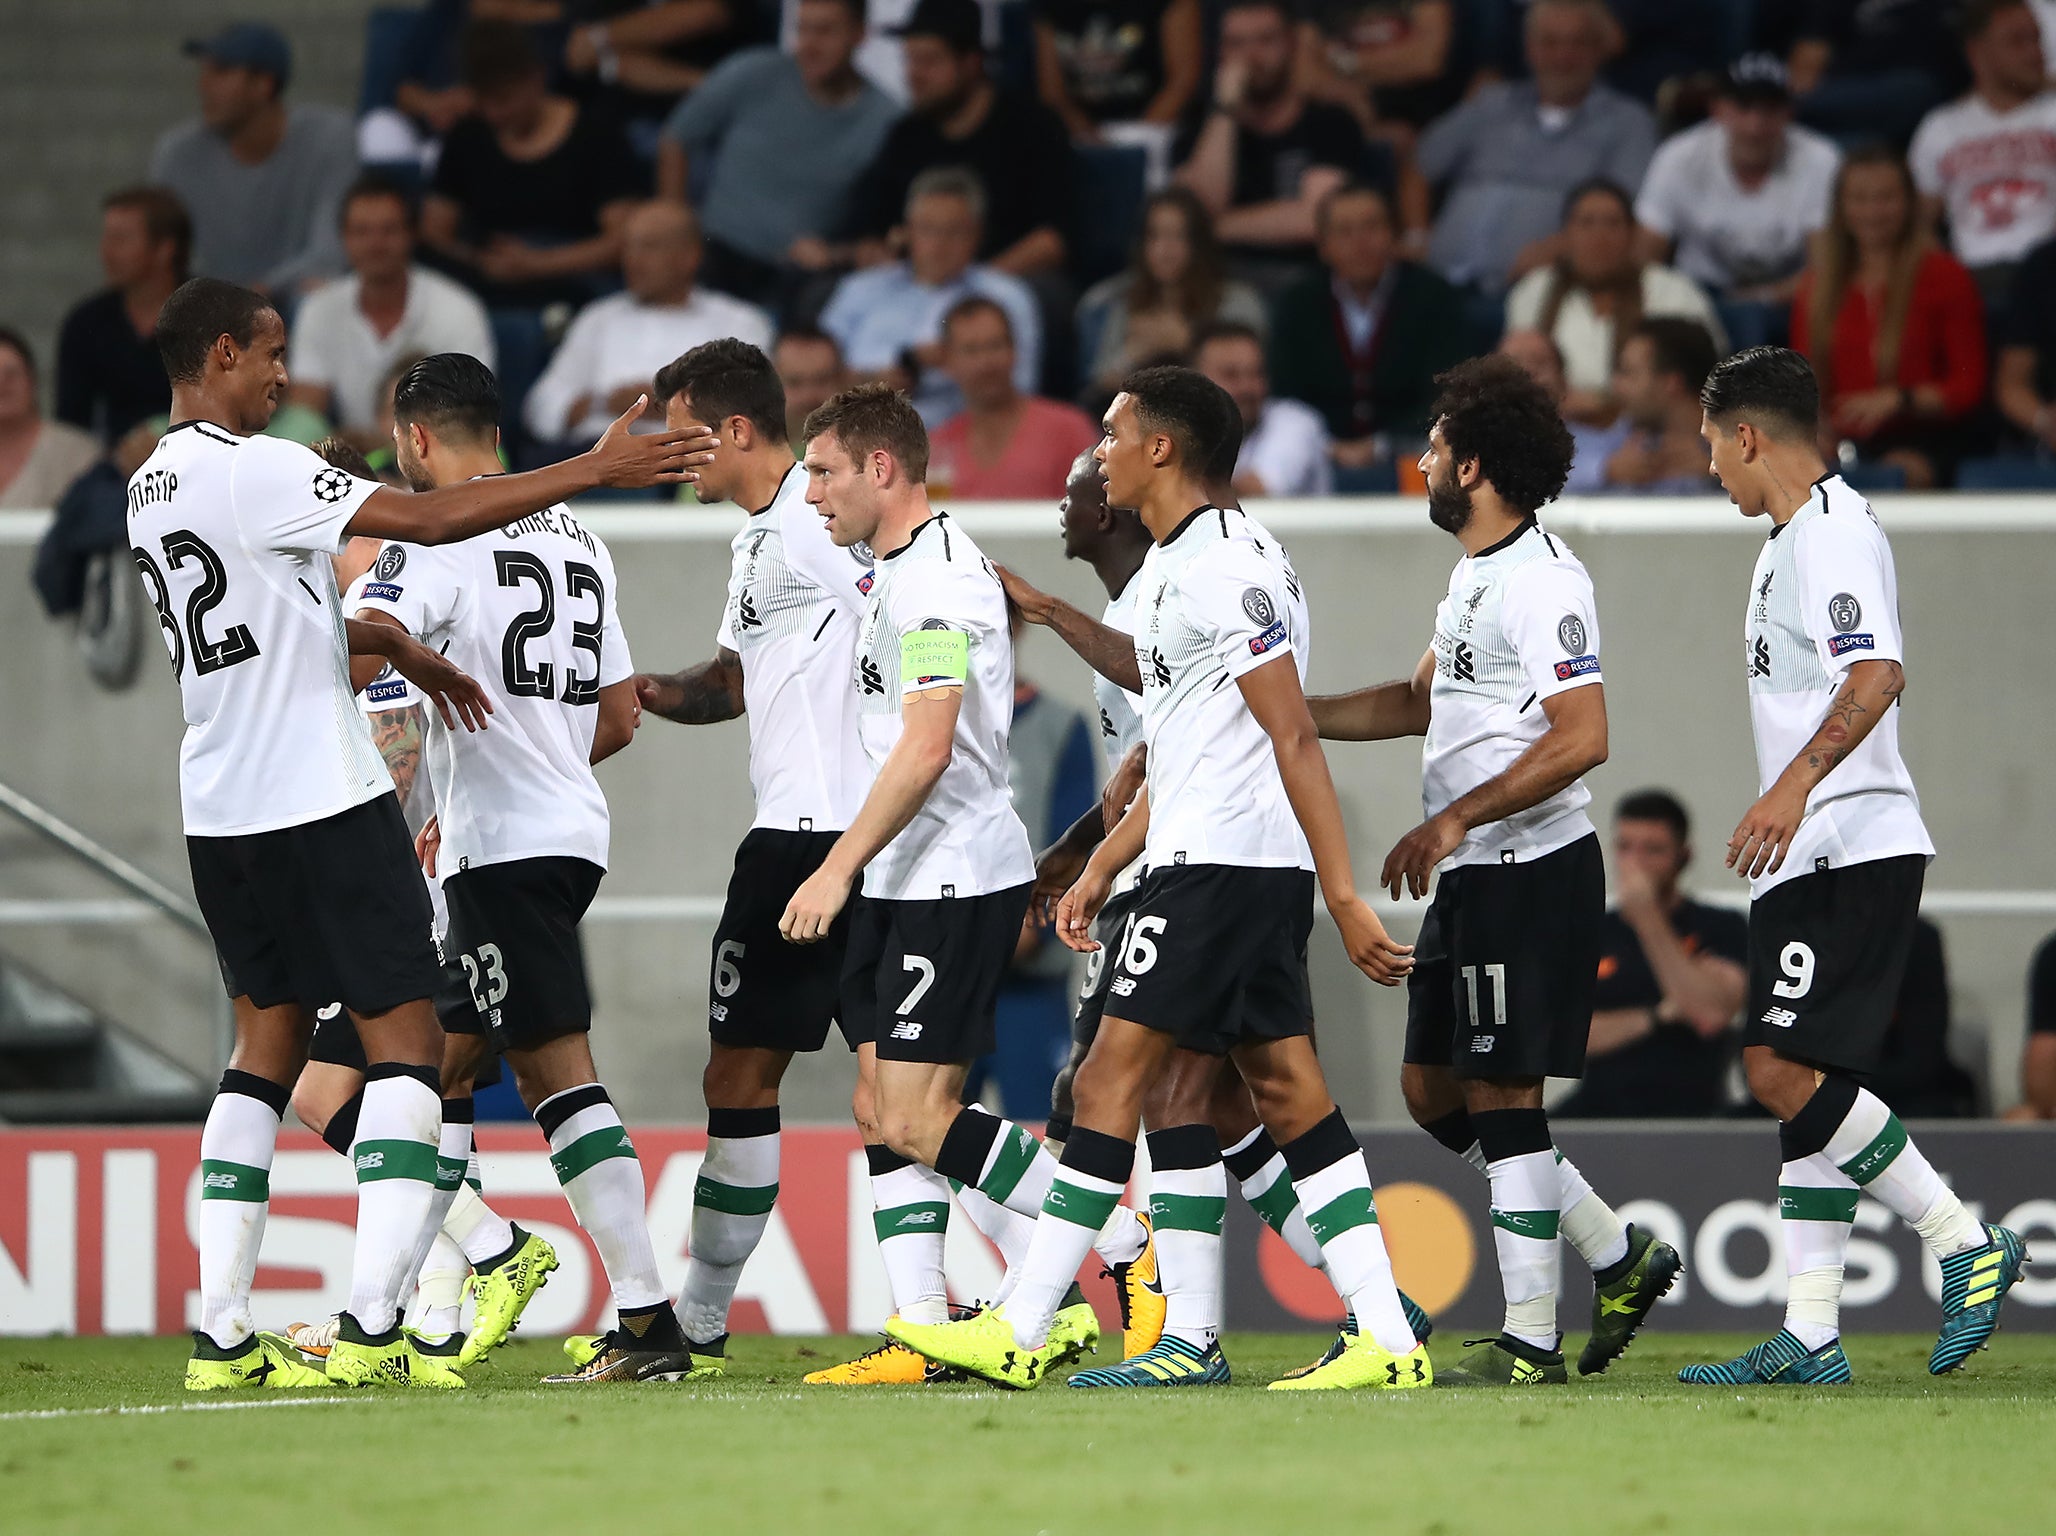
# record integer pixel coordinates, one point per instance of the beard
(1449, 507)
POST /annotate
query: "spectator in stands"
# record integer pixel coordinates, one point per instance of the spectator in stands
(1659, 43)
(1013, 144)
(109, 376)
(1362, 339)
(348, 334)
(1176, 282)
(1988, 161)
(1391, 62)
(429, 94)
(1915, 1075)
(260, 180)
(1662, 365)
(635, 58)
(1672, 978)
(1506, 158)
(1539, 354)
(1732, 202)
(889, 319)
(1871, 70)
(2024, 382)
(2038, 1056)
(38, 459)
(1596, 291)
(1266, 154)
(1003, 444)
(1100, 63)
(1284, 445)
(531, 190)
(810, 367)
(802, 121)
(1892, 325)
(616, 345)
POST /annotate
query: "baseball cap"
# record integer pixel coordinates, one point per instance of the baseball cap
(1758, 78)
(246, 45)
(957, 22)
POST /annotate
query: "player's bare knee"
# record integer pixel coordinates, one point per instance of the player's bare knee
(1778, 1083)
(313, 1107)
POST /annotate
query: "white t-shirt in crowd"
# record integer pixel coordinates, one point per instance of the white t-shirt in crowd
(618, 341)
(1287, 450)
(1728, 236)
(334, 345)
(795, 600)
(1518, 627)
(233, 537)
(528, 610)
(937, 618)
(1825, 595)
(1585, 337)
(1994, 172)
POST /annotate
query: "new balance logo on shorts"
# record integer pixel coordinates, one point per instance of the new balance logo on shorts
(1783, 1018)
(718, 1012)
(906, 1029)
(1483, 1042)
(1121, 986)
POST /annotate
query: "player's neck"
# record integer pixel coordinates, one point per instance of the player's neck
(1492, 522)
(468, 464)
(1116, 564)
(198, 403)
(1168, 503)
(903, 513)
(1790, 472)
(763, 473)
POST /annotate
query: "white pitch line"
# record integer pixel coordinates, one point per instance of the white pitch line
(102, 1413)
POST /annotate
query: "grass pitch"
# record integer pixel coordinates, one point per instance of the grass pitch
(1630, 1452)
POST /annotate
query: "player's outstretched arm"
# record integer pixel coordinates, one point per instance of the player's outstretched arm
(378, 638)
(1059, 865)
(1273, 695)
(1107, 651)
(1379, 713)
(700, 695)
(1759, 844)
(620, 458)
(1573, 746)
(905, 779)
(619, 715)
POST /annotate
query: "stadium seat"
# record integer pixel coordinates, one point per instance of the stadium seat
(1875, 477)
(2006, 472)
(524, 349)
(1107, 209)
(387, 31)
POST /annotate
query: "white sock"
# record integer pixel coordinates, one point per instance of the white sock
(398, 1131)
(1083, 1200)
(1599, 1235)
(603, 1181)
(236, 1148)
(452, 1158)
(1817, 1212)
(1258, 1168)
(910, 1213)
(1527, 1196)
(731, 1204)
(1334, 1186)
(1873, 1149)
(1015, 1170)
(439, 1292)
(1008, 1231)
(482, 1232)
(1188, 1204)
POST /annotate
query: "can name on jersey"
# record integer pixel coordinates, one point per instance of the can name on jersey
(1577, 666)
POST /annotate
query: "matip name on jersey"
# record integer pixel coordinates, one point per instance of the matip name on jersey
(551, 520)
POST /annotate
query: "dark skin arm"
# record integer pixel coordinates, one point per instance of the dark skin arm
(1759, 844)
(620, 714)
(1058, 866)
(1107, 651)
(1378, 713)
(701, 695)
(1574, 744)
(377, 638)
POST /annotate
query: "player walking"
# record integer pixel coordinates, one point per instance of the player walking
(1510, 700)
(301, 862)
(1835, 852)
(1238, 816)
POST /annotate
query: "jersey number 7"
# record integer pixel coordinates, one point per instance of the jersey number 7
(515, 567)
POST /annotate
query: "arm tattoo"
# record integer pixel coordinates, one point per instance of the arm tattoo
(713, 691)
(397, 735)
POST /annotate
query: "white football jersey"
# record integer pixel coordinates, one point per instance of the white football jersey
(1120, 712)
(1216, 600)
(233, 537)
(527, 610)
(794, 603)
(1824, 597)
(937, 618)
(1519, 626)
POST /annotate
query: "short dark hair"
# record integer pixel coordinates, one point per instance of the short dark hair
(1490, 410)
(807, 333)
(377, 184)
(1184, 405)
(344, 455)
(199, 313)
(164, 218)
(1772, 383)
(725, 378)
(1350, 188)
(1284, 9)
(1656, 805)
(1226, 439)
(975, 304)
(10, 337)
(1225, 330)
(1601, 184)
(1978, 15)
(1683, 347)
(492, 55)
(859, 11)
(452, 393)
(870, 417)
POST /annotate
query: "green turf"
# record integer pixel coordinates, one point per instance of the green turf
(1629, 1452)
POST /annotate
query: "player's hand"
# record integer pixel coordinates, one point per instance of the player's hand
(1055, 873)
(1414, 857)
(1034, 604)
(1765, 835)
(658, 695)
(814, 907)
(1370, 948)
(1123, 785)
(427, 843)
(455, 695)
(636, 460)
(1081, 904)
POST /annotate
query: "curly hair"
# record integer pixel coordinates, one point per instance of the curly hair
(1491, 411)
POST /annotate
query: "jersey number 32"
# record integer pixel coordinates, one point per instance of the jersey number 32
(237, 644)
